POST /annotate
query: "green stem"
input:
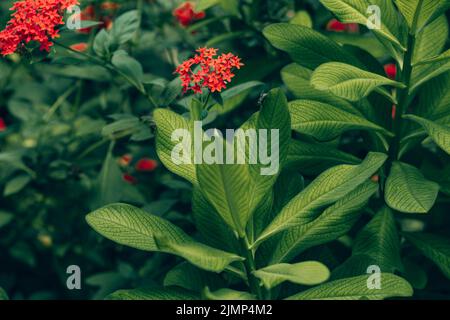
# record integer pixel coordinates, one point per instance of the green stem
(250, 267)
(403, 100)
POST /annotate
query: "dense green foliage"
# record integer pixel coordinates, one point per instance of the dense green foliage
(364, 156)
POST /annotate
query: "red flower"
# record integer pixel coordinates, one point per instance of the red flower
(337, 26)
(2, 125)
(81, 47)
(128, 178)
(125, 160)
(146, 165)
(375, 178)
(185, 14)
(213, 73)
(391, 71)
(394, 112)
(108, 5)
(33, 20)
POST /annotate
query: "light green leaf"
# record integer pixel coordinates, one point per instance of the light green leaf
(297, 79)
(16, 184)
(329, 187)
(333, 223)
(202, 5)
(326, 122)
(153, 294)
(420, 12)
(435, 248)
(166, 123)
(355, 11)
(109, 181)
(408, 191)
(227, 294)
(430, 41)
(439, 133)
(305, 46)
(133, 227)
(349, 82)
(356, 288)
(302, 18)
(443, 57)
(305, 273)
(314, 158)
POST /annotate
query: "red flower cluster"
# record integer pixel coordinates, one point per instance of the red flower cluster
(212, 73)
(33, 20)
(185, 14)
(337, 26)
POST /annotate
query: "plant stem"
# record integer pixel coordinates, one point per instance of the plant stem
(403, 100)
(250, 267)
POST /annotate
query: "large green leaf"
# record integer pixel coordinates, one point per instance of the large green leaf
(349, 82)
(153, 294)
(408, 191)
(130, 226)
(325, 121)
(420, 12)
(355, 11)
(329, 187)
(356, 288)
(439, 133)
(306, 273)
(378, 243)
(314, 158)
(166, 123)
(298, 81)
(189, 277)
(435, 248)
(125, 27)
(445, 56)
(307, 47)
(333, 223)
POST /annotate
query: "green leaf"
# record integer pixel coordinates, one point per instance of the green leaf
(435, 248)
(235, 96)
(167, 122)
(153, 294)
(443, 57)
(16, 184)
(109, 181)
(305, 46)
(439, 133)
(302, 18)
(355, 11)
(408, 191)
(326, 189)
(333, 223)
(102, 43)
(189, 277)
(430, 42)
(5, 218)
(228, 294)
(349, 82)
(356, 288)
(129, 67)
(133, 227)
(202, 5)
(378, 243)
(125, 27)
(297, 79)
(326, 122)
(420, 12)
(3, 295)
(314, 158)
(305, 273)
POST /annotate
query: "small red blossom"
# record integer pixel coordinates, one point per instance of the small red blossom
(186, 15)
(212, 73)
(80, 47)
(337, 26)
(391, 70)
(146, 165)
(108, 5)
(128, 178)
(2, 125)
(375, 178)
(33, 20)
